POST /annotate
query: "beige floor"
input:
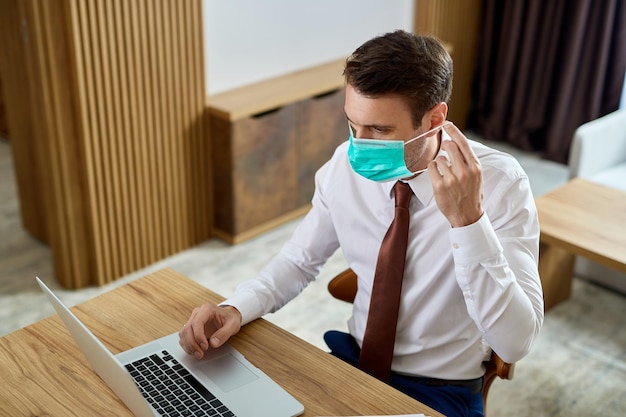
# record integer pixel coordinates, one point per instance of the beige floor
(577, 368)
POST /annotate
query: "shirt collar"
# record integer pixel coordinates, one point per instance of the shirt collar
(421, 185)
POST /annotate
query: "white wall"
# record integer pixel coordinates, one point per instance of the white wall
(251, 40)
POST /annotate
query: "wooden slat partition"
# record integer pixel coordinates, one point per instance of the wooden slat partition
(120, 90)
(456, 22)
(4, 129)
(21, 114)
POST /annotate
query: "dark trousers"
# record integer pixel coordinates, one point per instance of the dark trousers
(451, 400)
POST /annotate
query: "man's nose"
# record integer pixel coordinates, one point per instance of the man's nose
(358, 132)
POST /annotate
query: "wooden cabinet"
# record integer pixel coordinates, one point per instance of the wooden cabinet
(322, 126)
(255, 170)
(267, 142)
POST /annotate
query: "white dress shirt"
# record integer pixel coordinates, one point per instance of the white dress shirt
(465, 291)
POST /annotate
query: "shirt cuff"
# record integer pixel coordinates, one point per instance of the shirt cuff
(474, 243)
(248, 308)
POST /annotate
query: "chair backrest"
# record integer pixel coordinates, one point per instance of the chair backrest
(344, 287)
(598, 144)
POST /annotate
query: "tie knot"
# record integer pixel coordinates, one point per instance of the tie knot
(403, 193)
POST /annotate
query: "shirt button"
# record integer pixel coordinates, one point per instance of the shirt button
(467, 295)
(455, 245)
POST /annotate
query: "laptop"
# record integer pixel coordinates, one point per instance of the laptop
(160, 379)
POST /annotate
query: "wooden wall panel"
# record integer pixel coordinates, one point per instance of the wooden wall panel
(456, 23)
(22, 114)
(122, 152)
(4, 128)
(141, 78)
(59, 153)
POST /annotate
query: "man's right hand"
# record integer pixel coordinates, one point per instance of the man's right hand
(209, 326)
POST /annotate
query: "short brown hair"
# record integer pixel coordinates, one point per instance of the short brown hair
(412, 66)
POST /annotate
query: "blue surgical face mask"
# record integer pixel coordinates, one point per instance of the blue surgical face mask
(382, 160)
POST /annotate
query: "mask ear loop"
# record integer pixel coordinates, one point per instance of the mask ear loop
(429, 132)
(424, 135)
(350, 130)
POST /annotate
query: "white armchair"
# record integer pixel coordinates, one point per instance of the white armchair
(598, 151)
(598, 154)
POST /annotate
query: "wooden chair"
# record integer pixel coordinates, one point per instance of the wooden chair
(344, 287)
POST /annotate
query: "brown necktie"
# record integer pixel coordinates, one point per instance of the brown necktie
(380, 333)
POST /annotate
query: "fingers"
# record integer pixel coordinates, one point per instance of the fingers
(457, 180)
(462, 150)
(463, 161)
(208, 326)
(191, 337)
(197, 327)
(438, 169)
(221, 335)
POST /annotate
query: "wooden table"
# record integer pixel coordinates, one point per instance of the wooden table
(581, 218)
(43, 372)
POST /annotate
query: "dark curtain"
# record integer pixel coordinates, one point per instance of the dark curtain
(546, 67)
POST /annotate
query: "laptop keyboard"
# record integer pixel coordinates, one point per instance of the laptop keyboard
(172, 390)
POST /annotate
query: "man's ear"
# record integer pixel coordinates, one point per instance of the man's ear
(437, 115)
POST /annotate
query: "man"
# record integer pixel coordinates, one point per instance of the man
(469, 283)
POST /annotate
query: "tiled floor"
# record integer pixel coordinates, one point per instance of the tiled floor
(577, 368)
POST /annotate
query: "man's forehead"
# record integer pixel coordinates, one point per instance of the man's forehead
(381, 111)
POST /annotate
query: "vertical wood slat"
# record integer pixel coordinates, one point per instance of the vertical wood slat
(98, 78)
(126, 150)
(161, 157)
(118, 160)
(4, 128)
(456, 23)
(15, 70)
(127, 72)
(189, 118)
(173, 15)
(89, 68)
(164, 46)
(87, 119)
(198, 122)
(155, 138)
(119, 92)
(143, 124)
(106, 134)
(63, 173)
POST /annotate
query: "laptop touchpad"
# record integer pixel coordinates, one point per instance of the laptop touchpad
(227, 372)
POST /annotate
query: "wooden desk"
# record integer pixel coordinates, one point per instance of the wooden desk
(581, 218)
(43, 372)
